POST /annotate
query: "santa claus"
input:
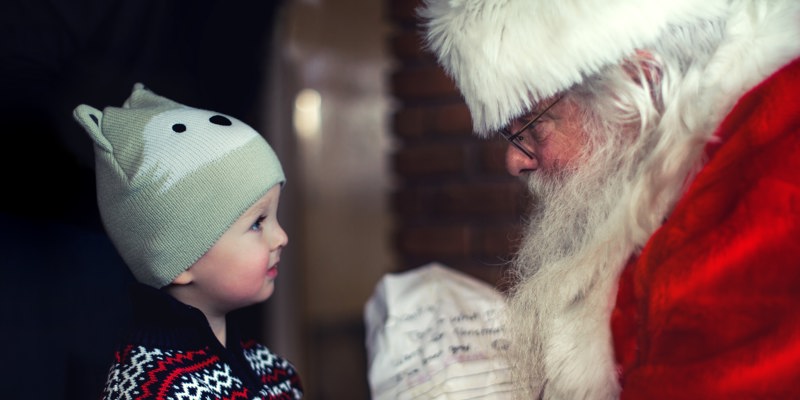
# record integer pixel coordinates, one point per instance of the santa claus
(661, 141)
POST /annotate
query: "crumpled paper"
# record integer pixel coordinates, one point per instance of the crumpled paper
(436, 333)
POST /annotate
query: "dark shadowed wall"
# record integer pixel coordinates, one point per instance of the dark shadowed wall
(455, 203)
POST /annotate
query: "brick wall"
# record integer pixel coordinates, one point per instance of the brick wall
(454, 203)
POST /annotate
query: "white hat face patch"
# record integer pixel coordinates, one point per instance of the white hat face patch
(180, 141)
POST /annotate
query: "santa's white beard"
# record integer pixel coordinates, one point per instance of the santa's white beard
(574, 248)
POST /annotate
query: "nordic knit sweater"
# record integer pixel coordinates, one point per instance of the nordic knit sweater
(171, 353)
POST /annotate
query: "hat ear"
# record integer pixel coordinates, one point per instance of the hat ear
(92, 119)
(142, 97)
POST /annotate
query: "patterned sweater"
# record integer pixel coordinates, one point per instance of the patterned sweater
(171, 353)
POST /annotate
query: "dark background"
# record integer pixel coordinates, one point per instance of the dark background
(63, 288)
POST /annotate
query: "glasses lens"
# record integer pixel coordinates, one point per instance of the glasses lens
(516, 138)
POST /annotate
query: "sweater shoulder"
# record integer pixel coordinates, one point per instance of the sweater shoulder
(279, 376)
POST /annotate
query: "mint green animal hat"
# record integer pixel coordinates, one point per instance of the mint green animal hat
(171, 179)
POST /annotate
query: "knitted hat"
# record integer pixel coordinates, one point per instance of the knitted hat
(505, 56)
(171, 179)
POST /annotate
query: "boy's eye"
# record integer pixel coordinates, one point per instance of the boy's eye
(257, 225)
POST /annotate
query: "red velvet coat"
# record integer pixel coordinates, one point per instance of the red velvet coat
(711, 307)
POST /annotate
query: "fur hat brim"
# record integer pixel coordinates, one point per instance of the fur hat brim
(506, 56)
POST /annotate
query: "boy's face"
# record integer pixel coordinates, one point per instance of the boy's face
(240, 269)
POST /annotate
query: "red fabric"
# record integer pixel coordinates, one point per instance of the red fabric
(711, 308)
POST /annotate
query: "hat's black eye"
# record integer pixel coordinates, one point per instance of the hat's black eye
(179, 128)
(220, 120)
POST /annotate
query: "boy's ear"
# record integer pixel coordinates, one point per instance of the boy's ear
(184, 278)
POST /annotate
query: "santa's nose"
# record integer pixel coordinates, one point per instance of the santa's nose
(518, 163)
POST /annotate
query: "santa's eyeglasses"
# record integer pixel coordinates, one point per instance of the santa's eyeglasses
(517, 138)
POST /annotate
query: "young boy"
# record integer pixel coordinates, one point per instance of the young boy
(189, 199)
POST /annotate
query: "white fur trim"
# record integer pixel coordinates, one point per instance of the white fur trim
(506, 55)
